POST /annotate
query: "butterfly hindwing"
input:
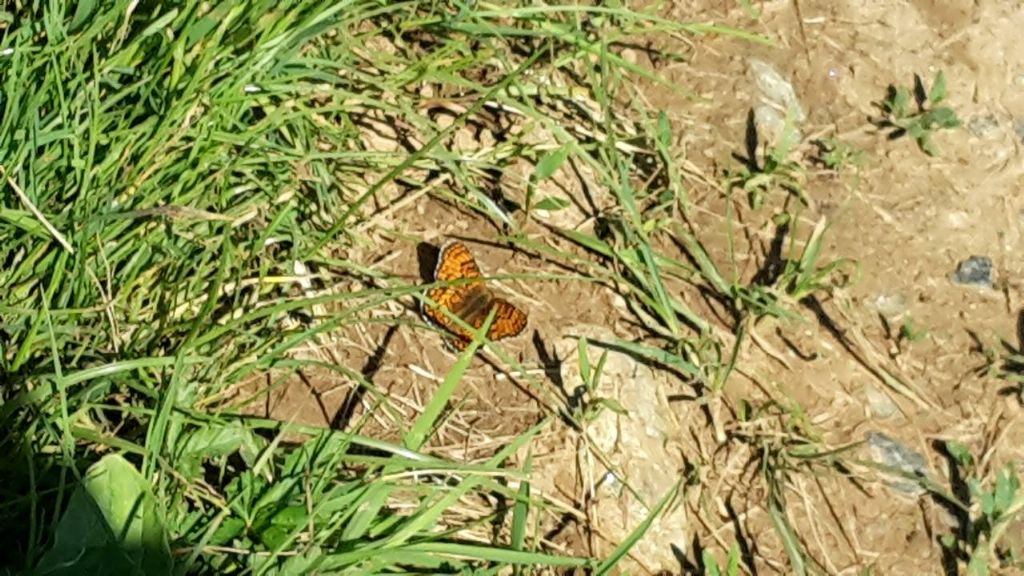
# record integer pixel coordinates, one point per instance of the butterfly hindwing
(509, 321)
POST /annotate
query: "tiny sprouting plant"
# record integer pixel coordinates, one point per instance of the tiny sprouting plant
(924, 118)
(836, 155)
(585, 403)
(911, 332)
(989, 512)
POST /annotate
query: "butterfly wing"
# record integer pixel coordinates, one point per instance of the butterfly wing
(509, 321)
(455, 262)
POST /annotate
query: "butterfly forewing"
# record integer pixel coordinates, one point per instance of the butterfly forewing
(455, 262)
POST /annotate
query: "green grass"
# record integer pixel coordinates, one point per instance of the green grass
(168, 166)
(182, 184)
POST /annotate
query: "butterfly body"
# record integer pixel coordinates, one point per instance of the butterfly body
(469, 298)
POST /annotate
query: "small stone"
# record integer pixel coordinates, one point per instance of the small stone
(1018, 129)
(975, 271)
(982, 125)
(880, 404)
(775, 89)
(889, 452)
(891, 306)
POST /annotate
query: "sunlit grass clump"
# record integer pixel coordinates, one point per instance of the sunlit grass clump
(178, 182)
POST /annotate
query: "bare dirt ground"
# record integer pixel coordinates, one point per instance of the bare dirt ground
(908, 219)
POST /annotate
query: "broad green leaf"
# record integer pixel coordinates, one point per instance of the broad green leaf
(916, 131)
(988, 504)
(928, 146)
(549, 163)
(275, 528)
(216, 440)
(900, 101)
(112, 526)
(227, 531)
(83, 9)
(938, 91)
(1007, 486)
(943, 118)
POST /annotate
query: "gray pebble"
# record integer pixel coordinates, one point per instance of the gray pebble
(982, 125)
(975, 271)
(890, 305)
(1018, 128)
(880, 403)
(891, 453)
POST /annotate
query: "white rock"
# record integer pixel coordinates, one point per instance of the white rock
(774, 89)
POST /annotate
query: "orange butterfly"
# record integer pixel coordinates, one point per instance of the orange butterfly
(471, 301)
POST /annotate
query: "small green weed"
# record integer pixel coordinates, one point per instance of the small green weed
(786, 443)
(750, 10)
(792, 276)
(1005, 362)
(585, 404)
(775, 170)
(803, 274)
(732, 563)
(905, 334)
(911, 333)
(985, 517)
(837, 155)
(921, 121)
